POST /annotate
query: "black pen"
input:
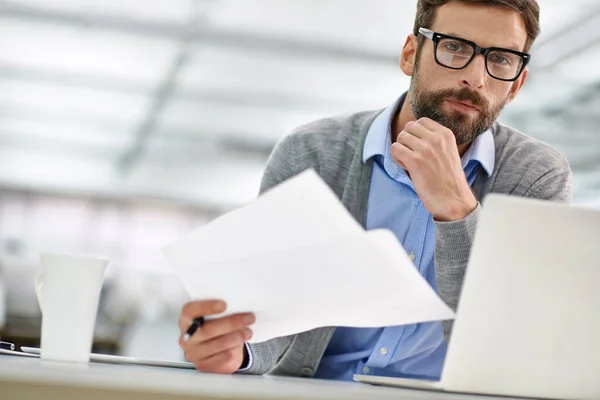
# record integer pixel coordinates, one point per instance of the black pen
(196, 324)
(7, 346)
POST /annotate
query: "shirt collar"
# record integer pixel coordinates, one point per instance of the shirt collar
(483, 151)
(378, 141)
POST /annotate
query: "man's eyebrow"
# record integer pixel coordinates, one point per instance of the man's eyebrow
(511, 46)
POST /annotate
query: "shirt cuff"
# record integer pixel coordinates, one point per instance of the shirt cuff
(250, 358)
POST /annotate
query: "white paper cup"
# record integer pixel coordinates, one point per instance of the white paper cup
(68, 289)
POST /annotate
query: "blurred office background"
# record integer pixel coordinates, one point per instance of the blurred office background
(125, 124)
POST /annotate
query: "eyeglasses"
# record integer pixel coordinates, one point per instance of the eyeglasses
(456, 53)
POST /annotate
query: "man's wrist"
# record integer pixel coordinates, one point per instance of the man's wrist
(457, 211)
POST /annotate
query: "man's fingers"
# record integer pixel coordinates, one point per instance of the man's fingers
(411, 141)
(196, 309)
(437, 129)
(225, 362)
(418, 129)
(199, 351)
(430, 124)
(403, 155)
(221, 326)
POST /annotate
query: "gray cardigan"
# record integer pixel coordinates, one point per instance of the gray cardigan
(333, 148)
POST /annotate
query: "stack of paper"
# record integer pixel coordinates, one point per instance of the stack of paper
(298, 260)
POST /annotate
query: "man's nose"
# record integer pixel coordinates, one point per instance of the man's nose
(473, 75)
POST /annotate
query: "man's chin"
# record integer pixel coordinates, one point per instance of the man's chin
(455, 119)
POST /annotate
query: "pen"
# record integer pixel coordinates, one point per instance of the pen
(195, 325)
(7, 346)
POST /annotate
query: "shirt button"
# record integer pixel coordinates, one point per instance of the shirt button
(383, 351)
(366, 369)
(412, 256)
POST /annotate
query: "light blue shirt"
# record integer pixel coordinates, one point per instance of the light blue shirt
(410, 351)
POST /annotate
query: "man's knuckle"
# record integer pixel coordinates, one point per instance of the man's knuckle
(428, 152)
(416, 160)
(232, 339)
(231, 355)
(437, 140)
(238, 338)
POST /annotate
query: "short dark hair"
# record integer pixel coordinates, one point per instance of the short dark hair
(529, 9)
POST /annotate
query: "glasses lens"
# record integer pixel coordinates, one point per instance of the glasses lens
(504, 65)
(453, 53)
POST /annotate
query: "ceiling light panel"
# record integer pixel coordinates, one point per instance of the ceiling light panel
(84, 50)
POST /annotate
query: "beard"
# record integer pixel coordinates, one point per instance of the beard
(465, 127)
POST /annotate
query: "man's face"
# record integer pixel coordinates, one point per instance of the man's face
(466, 101)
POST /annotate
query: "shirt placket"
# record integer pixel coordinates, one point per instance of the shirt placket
(390, 338)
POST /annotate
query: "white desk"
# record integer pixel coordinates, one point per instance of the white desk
(32, 379)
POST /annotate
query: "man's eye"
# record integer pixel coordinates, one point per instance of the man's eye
(500, 59)
(454, 47)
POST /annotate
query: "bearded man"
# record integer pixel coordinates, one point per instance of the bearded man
(419, 168)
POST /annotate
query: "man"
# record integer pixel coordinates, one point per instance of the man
(419, 168)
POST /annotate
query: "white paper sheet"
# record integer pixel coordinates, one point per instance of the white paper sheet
(298, 260)
(282, 218)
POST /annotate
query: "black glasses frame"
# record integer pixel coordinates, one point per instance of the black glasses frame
(436, 37)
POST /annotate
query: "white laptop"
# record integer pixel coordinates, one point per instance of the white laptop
(528, 320)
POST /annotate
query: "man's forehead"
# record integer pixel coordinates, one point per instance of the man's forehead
(488, 26)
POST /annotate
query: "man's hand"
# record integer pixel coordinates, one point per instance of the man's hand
(428, 151)
(218, 346)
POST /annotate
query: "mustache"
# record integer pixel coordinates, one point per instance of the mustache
(464, 94)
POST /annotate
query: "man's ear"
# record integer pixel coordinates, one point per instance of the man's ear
(408, 55)
(517, 85)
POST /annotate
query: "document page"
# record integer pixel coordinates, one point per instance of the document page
(297, 259)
